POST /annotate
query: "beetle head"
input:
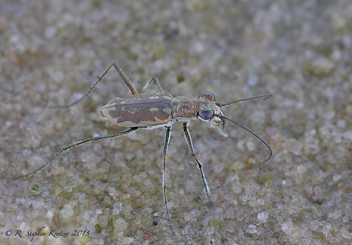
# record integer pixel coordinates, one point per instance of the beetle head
(209, 111)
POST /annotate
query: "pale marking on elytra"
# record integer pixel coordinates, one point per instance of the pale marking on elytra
(131, 110)
(116, 119)
(109, 105)
(167, 97)
(154, 97)
(130, 100)
(106, 113)
(130, 123)
(109, 108)
(153, 109)
(107, 116)
(167, 110)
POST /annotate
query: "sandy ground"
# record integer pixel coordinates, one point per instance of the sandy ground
(109, 191)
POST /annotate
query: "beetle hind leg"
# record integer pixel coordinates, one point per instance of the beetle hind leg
(123, 76)
(65, 148)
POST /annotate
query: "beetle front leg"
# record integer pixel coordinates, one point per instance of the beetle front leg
(166, 144)
(156, 82)
(200, 166)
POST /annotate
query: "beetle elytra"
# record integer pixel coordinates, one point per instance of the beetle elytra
(158, 110)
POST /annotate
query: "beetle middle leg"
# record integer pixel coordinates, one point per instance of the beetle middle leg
(156, 82)
(200, 166)
(166, 144)
(65, 148)
(121, 73)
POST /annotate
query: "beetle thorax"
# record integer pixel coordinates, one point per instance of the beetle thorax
(186, 108)
(183, 108)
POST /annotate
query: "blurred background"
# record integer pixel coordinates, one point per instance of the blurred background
(298, 51)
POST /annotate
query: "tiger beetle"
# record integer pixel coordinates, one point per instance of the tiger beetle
(157, 110)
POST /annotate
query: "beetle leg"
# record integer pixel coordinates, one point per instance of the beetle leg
(125, 78)
(200, 166)
(122, 74)
(156, 82)
(166, 144)
(65, 148)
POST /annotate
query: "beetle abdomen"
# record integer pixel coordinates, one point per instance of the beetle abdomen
(139, 110)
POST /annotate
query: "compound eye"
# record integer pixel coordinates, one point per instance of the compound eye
(206, 114)
(207, 95)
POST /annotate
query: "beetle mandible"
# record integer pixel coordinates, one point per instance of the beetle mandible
(156, 110)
